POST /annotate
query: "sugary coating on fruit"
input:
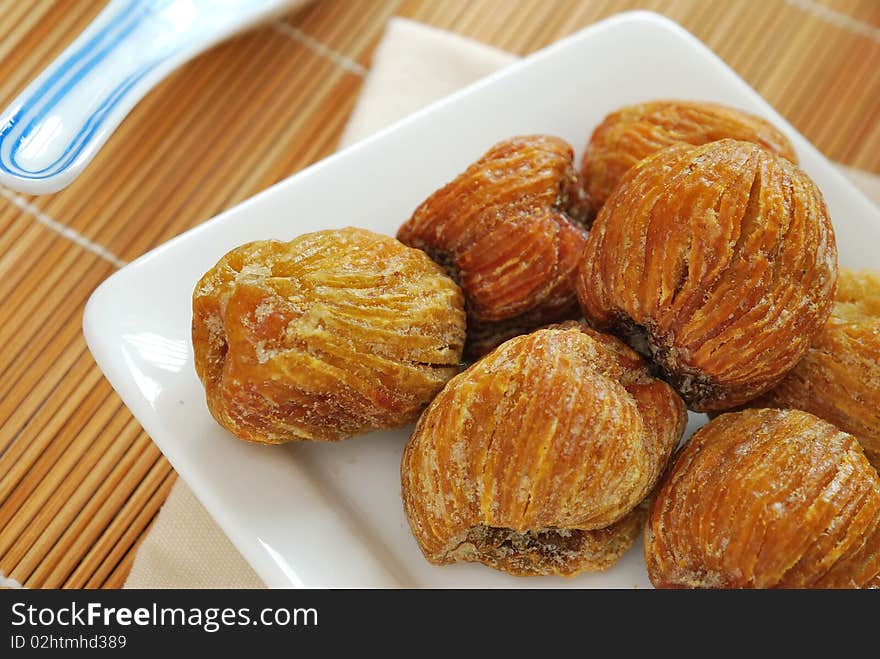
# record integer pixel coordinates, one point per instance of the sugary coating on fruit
(332, 334)
(839, 377)
(766, 498)
(719, 262)
(525, 460)
(635, 132)
(509, 231)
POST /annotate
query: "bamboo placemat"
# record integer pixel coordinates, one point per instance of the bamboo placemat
(80, 481)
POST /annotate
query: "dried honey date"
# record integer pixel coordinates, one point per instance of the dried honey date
(327, 336)
(535, 459)
(509, 231)
(718, 262)
(766, 498)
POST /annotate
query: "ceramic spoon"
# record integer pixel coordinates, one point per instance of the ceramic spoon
(56, 126)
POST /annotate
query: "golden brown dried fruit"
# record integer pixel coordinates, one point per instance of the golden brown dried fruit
(839, 377)
(719, 262)
(330, 335)
(508, 231)
(534, 459)
(637, 131)
(766, 499)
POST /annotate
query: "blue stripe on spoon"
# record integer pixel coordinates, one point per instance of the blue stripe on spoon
(83, 63)
(137, 42)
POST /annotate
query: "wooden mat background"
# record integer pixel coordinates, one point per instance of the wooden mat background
(80, 481)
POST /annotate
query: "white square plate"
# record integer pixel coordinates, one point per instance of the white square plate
(331, 515)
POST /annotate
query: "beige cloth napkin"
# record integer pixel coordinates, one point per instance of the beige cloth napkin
(412, 66)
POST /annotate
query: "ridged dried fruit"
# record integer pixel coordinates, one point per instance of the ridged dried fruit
(534, 459)
(766, 499)
(635, 132)
(329, 335)
(719, 262)
(839, 377)
(509, 231)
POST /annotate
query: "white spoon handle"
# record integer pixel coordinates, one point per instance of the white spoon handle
(55, 127)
